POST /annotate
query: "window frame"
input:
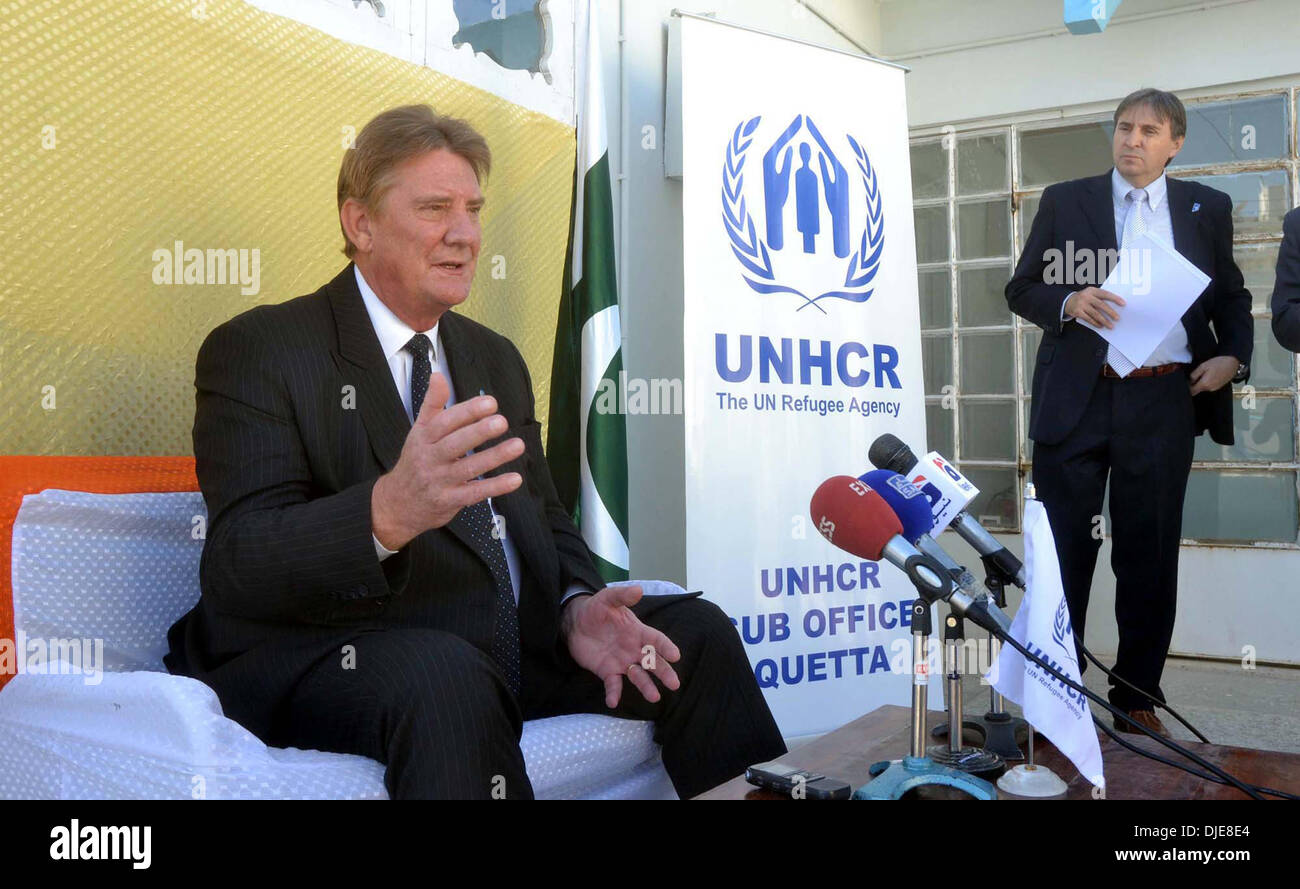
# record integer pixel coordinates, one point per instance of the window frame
(950, 136)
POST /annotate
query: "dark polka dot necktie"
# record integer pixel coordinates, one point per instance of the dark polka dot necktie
(478, 520)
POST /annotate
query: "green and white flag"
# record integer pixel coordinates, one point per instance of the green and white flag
(587, 447)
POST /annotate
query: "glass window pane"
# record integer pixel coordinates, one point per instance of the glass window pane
(997, 506)
(1060, 153)
(1026, 446)
(936, 298)
(982, 299)
(1258, 263)
(1265, 433)
(936, 363)
(1025, 219)
(983, 229)
(938, 426)
(1030, 337)
(1231, 504)
(929, 171)
(931, 233)
(1259, 200)
(1271, 367)
(1240, 130)
(987, 364)
(988, 430)
(982, 164)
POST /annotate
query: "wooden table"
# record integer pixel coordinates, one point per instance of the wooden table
(848, 752)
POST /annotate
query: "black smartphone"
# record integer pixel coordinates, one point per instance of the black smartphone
(796, 783)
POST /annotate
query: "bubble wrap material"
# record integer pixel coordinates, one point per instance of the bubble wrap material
(122, 567)
(130, 127)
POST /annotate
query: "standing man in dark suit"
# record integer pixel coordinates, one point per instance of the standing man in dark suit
(1286, 288)
(388, 570)
(1090, 421)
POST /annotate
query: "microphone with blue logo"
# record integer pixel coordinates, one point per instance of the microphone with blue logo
(854, 517)
(912, 507)
(890, 452)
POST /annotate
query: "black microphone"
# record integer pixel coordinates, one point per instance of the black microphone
(892, 453)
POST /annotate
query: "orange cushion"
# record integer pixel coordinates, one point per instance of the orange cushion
(20, 476)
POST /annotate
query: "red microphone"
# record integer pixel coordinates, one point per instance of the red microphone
(853, 517)
(859, 521)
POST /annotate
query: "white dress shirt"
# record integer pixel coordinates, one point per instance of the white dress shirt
(1174, 348)
(393, 335)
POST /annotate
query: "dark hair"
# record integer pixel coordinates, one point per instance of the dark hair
(392, 137)
(1167, 107)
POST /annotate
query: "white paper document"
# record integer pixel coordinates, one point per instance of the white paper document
(1157, 284)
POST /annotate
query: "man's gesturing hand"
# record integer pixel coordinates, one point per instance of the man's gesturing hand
(436, 476)
(1089, 304)
(606, 638)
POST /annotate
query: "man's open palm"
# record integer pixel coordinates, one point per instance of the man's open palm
(606, 638)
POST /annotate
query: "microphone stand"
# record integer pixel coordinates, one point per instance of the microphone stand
(891, 780)
(999, 728)
(976, 760)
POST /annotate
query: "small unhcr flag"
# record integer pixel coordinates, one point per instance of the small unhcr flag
(1043, 626)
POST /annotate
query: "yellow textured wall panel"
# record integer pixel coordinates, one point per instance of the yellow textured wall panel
(129, 126)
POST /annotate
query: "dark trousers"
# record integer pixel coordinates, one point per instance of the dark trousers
(437, 712)
(1140, 433)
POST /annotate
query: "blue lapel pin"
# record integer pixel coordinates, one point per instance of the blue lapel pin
(1195, 207)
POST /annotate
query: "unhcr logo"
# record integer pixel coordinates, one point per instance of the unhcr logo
(823, 225)
(1063, 632)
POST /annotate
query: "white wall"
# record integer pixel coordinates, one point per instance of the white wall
(420, 31)
(1170, 44)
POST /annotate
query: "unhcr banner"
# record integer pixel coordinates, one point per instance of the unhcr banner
(802, 344)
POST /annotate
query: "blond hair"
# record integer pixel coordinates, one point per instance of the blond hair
(394, 136)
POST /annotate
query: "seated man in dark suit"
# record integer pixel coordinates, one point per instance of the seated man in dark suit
(1286, 289)
(388, 570)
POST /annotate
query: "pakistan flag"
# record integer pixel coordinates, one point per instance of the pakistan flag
(587, 442)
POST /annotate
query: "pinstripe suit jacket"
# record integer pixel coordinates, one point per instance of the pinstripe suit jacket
(296, 416)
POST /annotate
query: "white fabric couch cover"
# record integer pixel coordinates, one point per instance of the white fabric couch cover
(122, 568)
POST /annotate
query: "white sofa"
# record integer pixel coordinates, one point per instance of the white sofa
(121, 568)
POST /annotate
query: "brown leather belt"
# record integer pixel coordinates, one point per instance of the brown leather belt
(1158, 371)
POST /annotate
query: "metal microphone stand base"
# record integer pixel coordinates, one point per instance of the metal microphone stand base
(1000, 733)
(891, 780)
(977, 761)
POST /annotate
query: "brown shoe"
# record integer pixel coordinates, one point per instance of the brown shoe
(1145, 718)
